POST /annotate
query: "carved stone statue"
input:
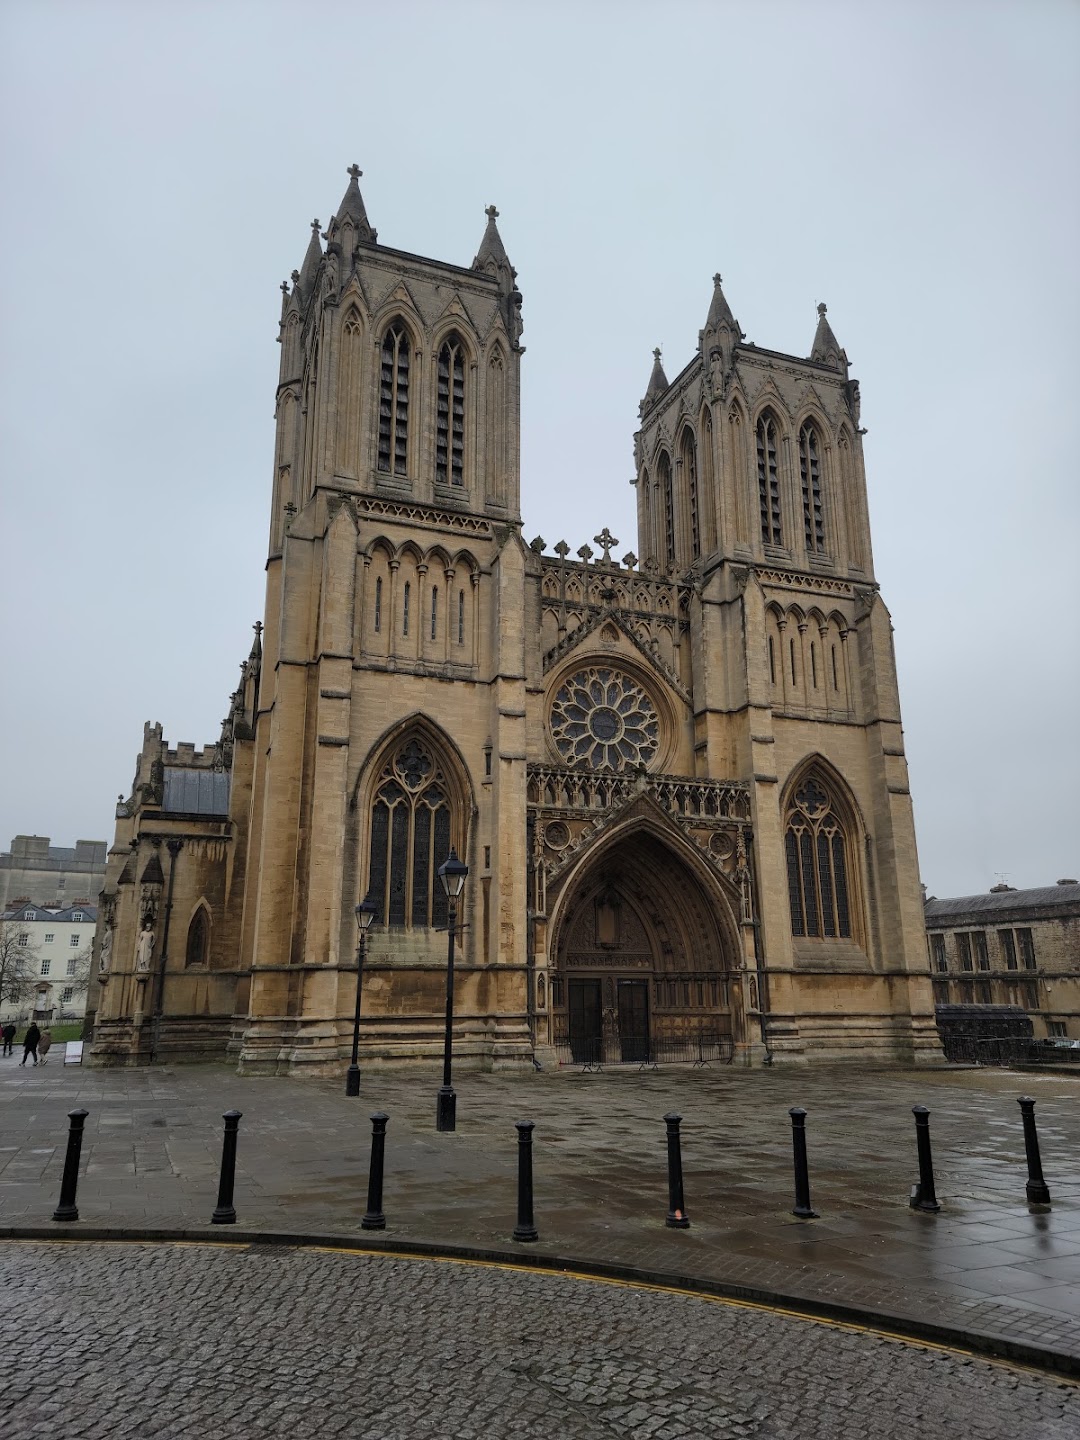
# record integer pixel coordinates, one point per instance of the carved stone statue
(144, 949)
(105, 954)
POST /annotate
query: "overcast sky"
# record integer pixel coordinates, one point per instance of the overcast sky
(912, 165)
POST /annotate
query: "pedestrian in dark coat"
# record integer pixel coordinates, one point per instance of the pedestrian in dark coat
(9, 1037)
(30, 1043)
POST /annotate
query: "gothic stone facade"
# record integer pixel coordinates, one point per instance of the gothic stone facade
(677, 777)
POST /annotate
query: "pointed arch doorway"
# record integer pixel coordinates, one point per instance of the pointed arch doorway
(644, 961)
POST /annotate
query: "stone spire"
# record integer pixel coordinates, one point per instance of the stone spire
(312, 260)
(658, 383)
(352, 208)
(826, 348)
(492, 255)
(493, 260)
(721, 334)
(720, 311)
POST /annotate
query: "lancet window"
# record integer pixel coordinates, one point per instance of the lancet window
(410, 838)
(772, 532)
(394, 401)
(450, 414)
(810, 472)
(817, 865)
(689, 465)
(198, 939)
(667, 502)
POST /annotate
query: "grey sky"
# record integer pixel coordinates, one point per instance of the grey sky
(912, 165)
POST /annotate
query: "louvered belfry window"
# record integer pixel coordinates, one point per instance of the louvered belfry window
(810, 472)
(816, 851)
(768, 482)
(394, 401)
(689, 459)
(410, 839)
(667, 500)
(450, 414)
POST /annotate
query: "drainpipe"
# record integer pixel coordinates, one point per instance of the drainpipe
(759, 951)
(530, 933)
(174, 847)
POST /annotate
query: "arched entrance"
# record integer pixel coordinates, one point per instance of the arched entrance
(644, 963)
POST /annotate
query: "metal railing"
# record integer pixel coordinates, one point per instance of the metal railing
(699, 1048)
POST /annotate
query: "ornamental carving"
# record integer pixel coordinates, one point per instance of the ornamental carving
(603, 719)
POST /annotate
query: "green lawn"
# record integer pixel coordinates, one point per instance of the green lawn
(67, 1032)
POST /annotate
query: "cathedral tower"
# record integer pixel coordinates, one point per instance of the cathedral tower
(677, 777)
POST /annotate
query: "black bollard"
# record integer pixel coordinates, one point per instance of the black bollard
(525, 1229)
(375, 1219)
(677, 1218)
(923, 1197)
(803, 1208)
(67, 1209)
(1037, 1191)
(225, 1214)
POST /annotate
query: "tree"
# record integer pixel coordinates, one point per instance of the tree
(20, 964)
(80, 969)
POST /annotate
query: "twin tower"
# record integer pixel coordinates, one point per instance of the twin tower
(677, 776)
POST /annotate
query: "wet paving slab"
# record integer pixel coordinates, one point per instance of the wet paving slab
(153, 1144)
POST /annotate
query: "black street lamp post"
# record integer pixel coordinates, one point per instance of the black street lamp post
(453, 874)
(365, 914)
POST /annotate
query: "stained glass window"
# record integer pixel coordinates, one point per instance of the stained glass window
(410, 838)
(815, 846)
(604, 719)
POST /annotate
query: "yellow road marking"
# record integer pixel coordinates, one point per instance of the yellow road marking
(852, 1326)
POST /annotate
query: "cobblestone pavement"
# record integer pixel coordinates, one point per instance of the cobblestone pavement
(988, 1263)
(175, 1341)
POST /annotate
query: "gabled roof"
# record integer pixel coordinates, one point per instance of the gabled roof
(999, 905)
(30, 912)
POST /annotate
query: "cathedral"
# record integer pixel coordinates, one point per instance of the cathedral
(676, 775)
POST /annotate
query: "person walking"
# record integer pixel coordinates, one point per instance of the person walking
(44, 1044)
(9, 1037)
(30, 1042)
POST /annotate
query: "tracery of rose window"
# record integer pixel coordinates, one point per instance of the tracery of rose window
(602, 718)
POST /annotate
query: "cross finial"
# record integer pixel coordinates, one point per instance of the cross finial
(821, 308)
(316, 225)
(605, 540)
(284, 287)
(717, 279)
(355, 171)
(656, 353)
(491, 213)
(258, 628)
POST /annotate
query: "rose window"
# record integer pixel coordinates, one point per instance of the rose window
(602, 718)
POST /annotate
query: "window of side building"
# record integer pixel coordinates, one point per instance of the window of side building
(1027, 948)
(963, 949)
(937, 952)
(1008, 948)
(982, 956)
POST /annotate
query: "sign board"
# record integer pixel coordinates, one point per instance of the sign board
(73, 1052)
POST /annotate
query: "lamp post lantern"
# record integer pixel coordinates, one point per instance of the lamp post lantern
(453, 874)
(366, 912)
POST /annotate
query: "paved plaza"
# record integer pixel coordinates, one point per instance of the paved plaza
(555, 1353)
(230, 1344)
